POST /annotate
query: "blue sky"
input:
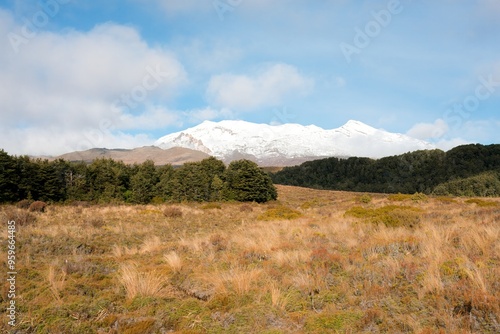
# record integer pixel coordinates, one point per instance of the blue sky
(80, 74)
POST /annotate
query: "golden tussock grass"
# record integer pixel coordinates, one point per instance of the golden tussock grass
(174, 261)
(228, 270)
(141, 283)
(56, 278)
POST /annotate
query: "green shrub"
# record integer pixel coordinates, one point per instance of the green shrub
(481, 202)
(279, 213)
(365, 199)
(399, 197)
(210, 206)
(312, 204)
(157, 200)
(418, 197)
(390, 215)
(446, 199)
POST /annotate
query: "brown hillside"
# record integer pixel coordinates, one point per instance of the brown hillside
(174, 156)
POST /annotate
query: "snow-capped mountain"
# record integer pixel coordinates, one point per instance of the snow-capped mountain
(289, 143)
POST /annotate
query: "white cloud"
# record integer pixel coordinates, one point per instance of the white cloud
(59, 85)
(155, 117)
(199, 115)
(448, 144)
(269, 87)
(429, 130)
(445, 138)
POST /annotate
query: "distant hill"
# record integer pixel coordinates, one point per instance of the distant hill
(173, 156)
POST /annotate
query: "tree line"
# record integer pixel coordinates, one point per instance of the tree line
(109, 181)
(471, 170)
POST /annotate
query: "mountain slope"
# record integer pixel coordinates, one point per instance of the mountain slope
(289, 144)
(174, 156)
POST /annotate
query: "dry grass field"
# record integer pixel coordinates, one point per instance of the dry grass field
(312, 262)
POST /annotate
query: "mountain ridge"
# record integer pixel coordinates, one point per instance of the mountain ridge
(289, 143)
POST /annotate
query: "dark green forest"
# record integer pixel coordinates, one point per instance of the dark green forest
(468, 170)
(109, 181)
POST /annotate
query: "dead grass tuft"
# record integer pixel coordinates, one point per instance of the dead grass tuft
(174, 261)
(141, 283)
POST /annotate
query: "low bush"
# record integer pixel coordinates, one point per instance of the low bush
(157, 200)
(446, 199)
(365, 199)
(399, 197)
(172, 212)
(481, 202)
(24, 204)
(419, 197)
(315, 203)
(21, 217)
(210, 206)
(280, 213)
(38, 206)
(390, 215)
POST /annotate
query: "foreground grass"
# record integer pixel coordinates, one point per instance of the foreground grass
(313, 262)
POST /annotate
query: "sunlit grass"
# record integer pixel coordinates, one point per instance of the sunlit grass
(338, 264)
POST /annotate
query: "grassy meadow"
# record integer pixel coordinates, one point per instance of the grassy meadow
(311, 262)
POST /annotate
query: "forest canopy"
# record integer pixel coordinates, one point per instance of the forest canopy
(471, 170)
(109, 181)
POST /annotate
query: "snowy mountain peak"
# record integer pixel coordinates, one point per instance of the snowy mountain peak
(289, 143)
(358, 126)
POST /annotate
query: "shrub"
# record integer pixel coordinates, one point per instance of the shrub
(157, 200)
(445, 199)
(390, 215)
(24, 204)
(172, 212)
(398, 197)
(218, 242)
(365, 199)
(417, 197)
(38, 206)
(212, 205)
(481, 202)
(398, 217)
(21, 217)
(312, 204)
(280, 213)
